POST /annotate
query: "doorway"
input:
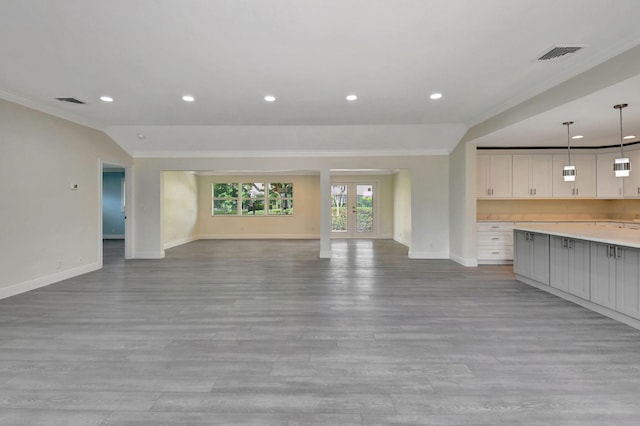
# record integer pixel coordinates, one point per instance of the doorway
(353, 210)
(115, 195)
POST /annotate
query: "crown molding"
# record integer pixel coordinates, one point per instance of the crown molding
(285, 154)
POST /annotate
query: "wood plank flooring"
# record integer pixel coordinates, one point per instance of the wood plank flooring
(265, 332)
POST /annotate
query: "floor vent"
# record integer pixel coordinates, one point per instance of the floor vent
(70, 100)
(558, 52)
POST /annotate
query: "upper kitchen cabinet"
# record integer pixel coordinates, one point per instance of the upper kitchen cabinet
(585, 184)
(494, 176)
(532, 176)
(609, 186)
(631, 183)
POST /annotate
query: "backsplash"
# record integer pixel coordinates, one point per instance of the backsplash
(558, 210)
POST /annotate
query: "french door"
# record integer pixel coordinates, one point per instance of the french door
(353, 210)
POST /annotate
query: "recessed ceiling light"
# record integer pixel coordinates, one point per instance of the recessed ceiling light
(270, 98)
(577, 137)
(629, 137)
(188, 98)
(106, 98)
(352, 97)
(436, 96)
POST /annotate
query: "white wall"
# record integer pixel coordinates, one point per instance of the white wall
(402, 207)
(49, 232)
(179, 208)
(462, 206)
(429, 202)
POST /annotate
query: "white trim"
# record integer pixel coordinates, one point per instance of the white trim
(149, 255)
(35, 283)
(113, 236)
(259, 237)
(428, 254)
(285, 154)
(582, 302)
(179, 242)
(464, 261)
(402, 241)
(325, 254)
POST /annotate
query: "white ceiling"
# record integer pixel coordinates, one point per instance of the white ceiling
(310, 54)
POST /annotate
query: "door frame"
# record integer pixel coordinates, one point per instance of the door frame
(352, 184)
(128, 207)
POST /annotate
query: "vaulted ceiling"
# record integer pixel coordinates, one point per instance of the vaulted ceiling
(311, 54)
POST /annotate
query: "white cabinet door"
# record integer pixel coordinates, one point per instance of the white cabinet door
(608, 185)
(603, 276)
(522, 176)
(532, 176)
(586, 175)
(585, 184)
(494, 176)
(628, 281)
(632, 183)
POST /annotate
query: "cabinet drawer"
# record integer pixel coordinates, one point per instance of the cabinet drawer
(500, 238)
(495, 226)
(495, 253)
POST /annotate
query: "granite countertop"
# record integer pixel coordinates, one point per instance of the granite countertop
(603, 234)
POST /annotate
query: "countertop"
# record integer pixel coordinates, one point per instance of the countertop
(602, 234)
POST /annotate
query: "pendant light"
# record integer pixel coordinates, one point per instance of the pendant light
(569, 171)
(621, 166)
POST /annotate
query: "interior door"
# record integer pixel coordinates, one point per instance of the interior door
(353, 207)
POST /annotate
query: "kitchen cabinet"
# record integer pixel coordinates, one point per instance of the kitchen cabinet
(494, 178)
(615, 278)
(495, 242)
(631, 183)
(608, 185)
(585, 184)
(627, 280)
(531, 255)
(569, 265)
(532, 176)
(603, 275)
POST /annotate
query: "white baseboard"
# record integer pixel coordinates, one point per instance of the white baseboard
(464, 261)
(413, 254)
(14, 289)
(180, 242)
(259, 237)
(149, 255)
(402, 241)
(325, 254)
(113, 236)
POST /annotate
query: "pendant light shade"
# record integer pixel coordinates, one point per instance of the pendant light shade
(569, 171)
(622, 165)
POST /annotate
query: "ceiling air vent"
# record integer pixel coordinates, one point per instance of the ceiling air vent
(558, 52)
(70, 100)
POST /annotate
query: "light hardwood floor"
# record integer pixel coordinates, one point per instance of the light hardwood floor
(265, 332)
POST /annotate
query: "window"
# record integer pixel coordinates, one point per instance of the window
(254, 199)
(281, 199)
(225, 199)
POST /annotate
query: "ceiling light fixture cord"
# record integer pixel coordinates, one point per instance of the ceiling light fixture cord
(568, 123)
(619, 107)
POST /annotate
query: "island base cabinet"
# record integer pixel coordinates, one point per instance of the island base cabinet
(603, 275)
(627, 280)
(531, 258)
(569, 265)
